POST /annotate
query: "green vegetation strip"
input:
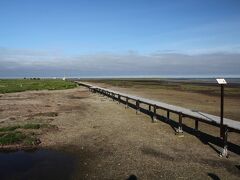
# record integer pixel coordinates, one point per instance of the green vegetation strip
(31, 126)
(19, 85)
(9, 135)
(11, 138)
(14, 127)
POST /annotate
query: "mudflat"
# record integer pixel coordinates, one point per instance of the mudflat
(111, 142)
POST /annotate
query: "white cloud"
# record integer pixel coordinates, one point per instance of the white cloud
(41, 63)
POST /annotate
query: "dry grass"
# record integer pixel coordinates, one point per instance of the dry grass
(186, 96)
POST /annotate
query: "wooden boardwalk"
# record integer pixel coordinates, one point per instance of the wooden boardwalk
(228, 124)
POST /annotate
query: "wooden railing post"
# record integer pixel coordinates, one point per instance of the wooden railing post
(119, 98)
(154, 118)
(126, 106)
(179, 130)
(196, 125)
(137, 107)
(224, 152)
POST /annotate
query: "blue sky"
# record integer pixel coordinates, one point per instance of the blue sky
(41, 34)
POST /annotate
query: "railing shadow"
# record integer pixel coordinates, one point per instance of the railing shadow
(202, 136)
(213, 176)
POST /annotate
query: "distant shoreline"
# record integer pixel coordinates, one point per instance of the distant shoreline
(132, 76)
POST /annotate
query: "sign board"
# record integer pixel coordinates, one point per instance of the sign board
(221, 81)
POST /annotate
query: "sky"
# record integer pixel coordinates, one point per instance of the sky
(119, 38)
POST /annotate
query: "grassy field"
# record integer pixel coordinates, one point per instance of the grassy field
(19, 85)
(232, 90)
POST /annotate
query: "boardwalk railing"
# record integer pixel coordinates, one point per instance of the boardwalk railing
(228, 124)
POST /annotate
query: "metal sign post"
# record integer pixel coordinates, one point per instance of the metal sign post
(222, 82)
(222, 108)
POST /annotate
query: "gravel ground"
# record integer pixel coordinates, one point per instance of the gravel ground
(111, 142)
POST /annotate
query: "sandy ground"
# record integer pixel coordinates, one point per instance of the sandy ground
(111, 142)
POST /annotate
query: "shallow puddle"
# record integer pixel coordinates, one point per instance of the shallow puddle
(39, 164)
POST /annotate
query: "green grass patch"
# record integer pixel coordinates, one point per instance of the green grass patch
(22, 135)
(31, 126)
(25, 126)
(19, 85)
(11, 138)
(9, 128)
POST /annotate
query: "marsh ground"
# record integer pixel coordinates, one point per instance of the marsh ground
(111, 142)
(202, 95)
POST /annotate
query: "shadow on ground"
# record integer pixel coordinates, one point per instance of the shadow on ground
(203, 137)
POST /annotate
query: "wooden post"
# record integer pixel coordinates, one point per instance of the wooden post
(119, 98)
(196, 125)
(137, 107)
(179, 130)
(126, 106)
(154, 113)
(224, 152)
(150, 110)
(113, 96)
(168, 114)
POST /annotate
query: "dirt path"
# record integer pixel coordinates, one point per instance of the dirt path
(112, 142)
